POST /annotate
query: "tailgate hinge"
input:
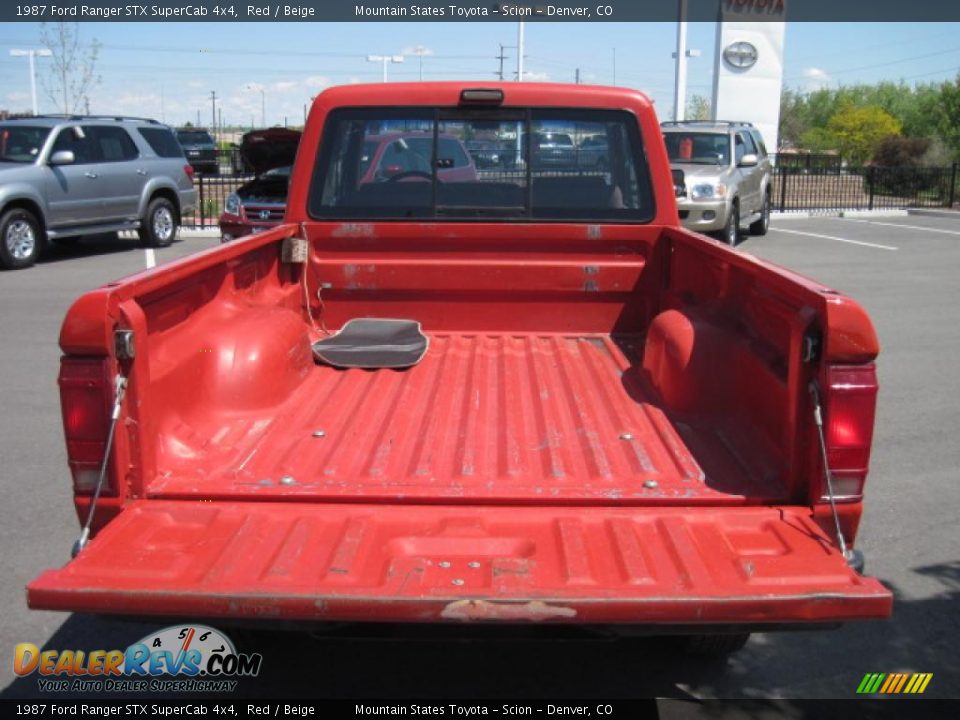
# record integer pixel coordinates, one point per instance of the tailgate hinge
(811, 347)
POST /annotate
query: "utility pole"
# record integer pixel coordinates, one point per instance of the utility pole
(520, 51)
(86, 104)
(576, 78)
(213, 109)
(681, 55)
(420, 51)
(501, 57)
(385, 59)
(30, 55)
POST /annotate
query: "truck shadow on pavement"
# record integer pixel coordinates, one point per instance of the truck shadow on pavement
(393, 661)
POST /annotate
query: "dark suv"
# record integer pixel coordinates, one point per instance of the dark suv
(62, 177)
(200, 149)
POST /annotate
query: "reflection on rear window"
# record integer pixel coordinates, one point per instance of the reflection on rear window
(570, 164)
(194, 137)
(161, 141)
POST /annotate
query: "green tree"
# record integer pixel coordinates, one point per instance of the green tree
(699, 108)
(860, 130)
(946, 111)
(818, 140)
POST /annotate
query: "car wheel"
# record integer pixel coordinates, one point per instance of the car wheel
(761, 226)
(716, 645)
(21, 239)
(159, 226)
(731, 231)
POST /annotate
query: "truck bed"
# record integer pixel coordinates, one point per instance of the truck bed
(483, 418)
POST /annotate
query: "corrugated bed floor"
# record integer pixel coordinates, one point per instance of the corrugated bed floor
(480, 419)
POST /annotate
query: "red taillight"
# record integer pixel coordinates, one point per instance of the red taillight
(188, 169)
(85, 403)
(849, 409)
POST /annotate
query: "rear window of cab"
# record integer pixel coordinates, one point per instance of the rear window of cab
(406, 163)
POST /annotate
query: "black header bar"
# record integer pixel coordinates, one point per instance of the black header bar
(478, 11)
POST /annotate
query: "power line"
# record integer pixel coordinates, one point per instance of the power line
(883, 64)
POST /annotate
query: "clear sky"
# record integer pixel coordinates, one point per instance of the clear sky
(168, 70)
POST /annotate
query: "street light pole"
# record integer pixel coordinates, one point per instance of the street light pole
(520, 51)
(385, 59)
(31, 54)
(681, 55)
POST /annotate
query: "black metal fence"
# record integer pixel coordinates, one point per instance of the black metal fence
(871, 188)
(810, 186)
(212, 192)
(807, 162)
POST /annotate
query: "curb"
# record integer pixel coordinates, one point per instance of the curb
(807, 214)
(930, 212)
(192, 233)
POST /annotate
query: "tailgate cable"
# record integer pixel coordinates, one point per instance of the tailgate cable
(854, 558)
(120, 389)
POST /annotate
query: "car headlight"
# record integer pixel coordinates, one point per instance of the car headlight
(232, 205)
(708, 191)
(494, 158)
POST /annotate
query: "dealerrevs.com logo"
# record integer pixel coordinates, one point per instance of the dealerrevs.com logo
(180, 658)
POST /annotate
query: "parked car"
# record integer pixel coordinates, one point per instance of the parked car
(551, 151)
(261, 202)
(616, 421)
(64, 177)
(485, 153)
(726, 176)
(200, 148)
(592, 153)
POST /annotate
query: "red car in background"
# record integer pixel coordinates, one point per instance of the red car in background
(262, 202)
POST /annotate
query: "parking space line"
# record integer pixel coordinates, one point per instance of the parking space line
(906, 227)
(878, 246)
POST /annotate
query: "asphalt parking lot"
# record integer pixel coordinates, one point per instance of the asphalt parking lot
(903, 269)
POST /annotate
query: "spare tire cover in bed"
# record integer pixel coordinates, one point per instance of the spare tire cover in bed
(373, 343)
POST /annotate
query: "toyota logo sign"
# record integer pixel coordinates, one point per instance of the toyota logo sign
(740, 55)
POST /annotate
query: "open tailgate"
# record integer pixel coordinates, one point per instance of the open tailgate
(433, 562)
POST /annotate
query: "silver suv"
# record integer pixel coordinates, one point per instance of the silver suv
(722, 176)
(66, 176)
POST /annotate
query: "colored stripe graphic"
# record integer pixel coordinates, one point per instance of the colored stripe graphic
(892, 679)
(894, 683)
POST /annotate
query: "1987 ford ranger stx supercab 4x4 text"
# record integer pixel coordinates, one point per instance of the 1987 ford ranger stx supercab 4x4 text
(542, 399)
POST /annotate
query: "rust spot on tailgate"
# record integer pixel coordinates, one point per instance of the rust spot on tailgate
(533, 610)
(353, 230)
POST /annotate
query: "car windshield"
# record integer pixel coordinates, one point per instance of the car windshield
(407, 163)
(194, 137)
(698, 148)
(21, 143)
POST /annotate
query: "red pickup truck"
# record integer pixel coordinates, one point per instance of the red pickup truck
(616, 421)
